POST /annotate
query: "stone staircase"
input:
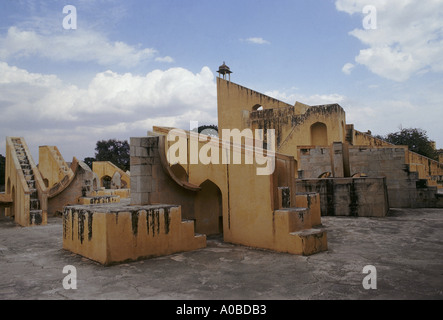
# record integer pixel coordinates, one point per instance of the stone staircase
(35, 213)
(296, 228)
(61, 162)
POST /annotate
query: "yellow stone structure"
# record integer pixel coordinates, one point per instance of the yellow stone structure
(106, 171)
(253, 210)
(325, 146)
(24, 185)
(33, 192)
(111, 234)
(265, 182)
(52, 166)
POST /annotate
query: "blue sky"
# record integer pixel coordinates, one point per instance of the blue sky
(132, 64)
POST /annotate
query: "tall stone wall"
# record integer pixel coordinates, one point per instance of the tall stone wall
(405, 189)
(314, 162)
(358, 197)
(404, 186)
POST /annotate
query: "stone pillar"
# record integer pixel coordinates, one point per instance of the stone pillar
(145, 159)
(337, 160)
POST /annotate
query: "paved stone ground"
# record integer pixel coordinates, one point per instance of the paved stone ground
(406, 248)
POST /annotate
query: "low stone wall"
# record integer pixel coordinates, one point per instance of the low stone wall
(359, 197)
(122, 193)
(99, 200)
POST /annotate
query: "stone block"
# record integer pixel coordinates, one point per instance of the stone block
(109, 234)
(141, 170)
(135, 141)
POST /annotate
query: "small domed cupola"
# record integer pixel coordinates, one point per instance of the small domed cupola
(224, 70)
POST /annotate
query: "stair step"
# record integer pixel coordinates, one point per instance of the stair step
(34, 204)
(34, 193)
(297, 218)
(35, 217)
(312, 240)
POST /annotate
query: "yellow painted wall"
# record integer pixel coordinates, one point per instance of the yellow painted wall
(127, 233)
(249, 201)
(17, 187)
(292, 123)
(52, 166)
(233, 100)
(106, 168)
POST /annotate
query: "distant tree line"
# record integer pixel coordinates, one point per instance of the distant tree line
(113, 150)
(416, 139)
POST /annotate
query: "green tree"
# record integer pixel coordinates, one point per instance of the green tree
(115, 151)
(89, 161)
(416, 139)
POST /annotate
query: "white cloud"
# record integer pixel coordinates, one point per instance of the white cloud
(166, 59)
(113, 105)
(316, 99)
(75, 45)
(408, 39)
(257, 40)
(347, 68)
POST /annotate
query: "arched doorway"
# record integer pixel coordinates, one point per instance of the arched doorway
(325, 175)
(208, 210)
(319, 134)
(12, 208)
(106, 182)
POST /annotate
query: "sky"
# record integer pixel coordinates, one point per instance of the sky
(78, 71)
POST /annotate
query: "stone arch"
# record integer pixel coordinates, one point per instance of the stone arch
(257, 107)
(326, 174)
(319, 134)
(208, 209)
(359, 175)
(209, 130)
(8, 186)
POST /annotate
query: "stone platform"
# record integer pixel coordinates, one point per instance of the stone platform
(110, 233)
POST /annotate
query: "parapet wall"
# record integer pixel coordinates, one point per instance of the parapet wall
(357, 197)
